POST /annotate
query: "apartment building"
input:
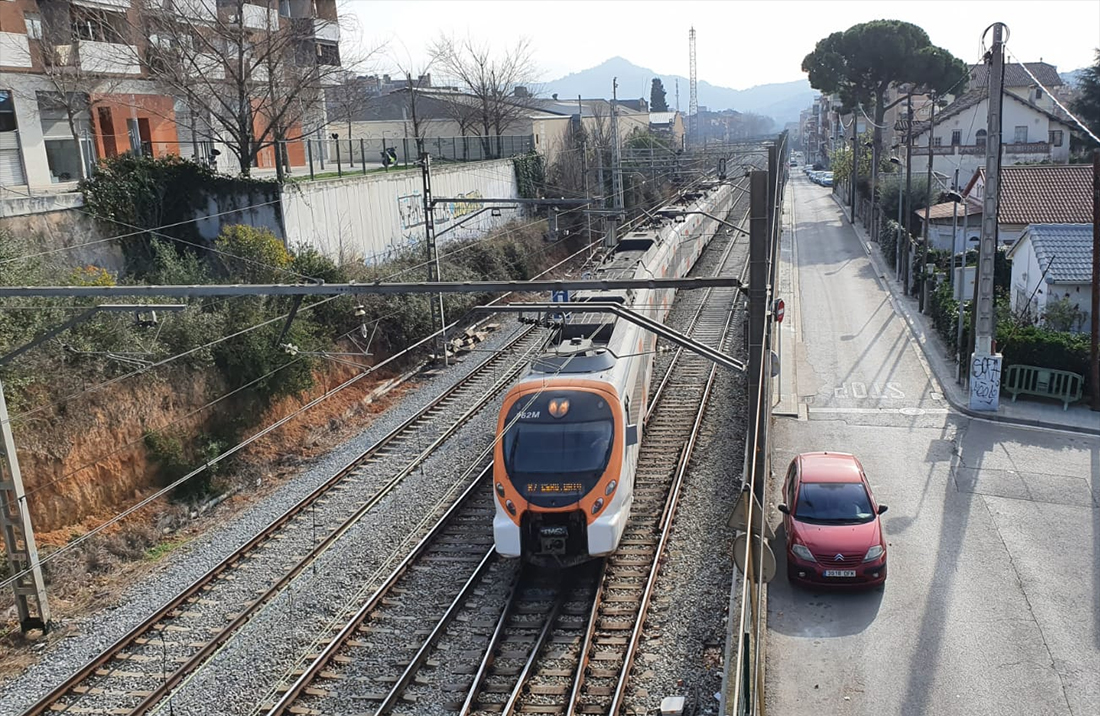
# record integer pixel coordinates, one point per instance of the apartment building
(83, 80)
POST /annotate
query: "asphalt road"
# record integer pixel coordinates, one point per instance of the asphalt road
(992, 604)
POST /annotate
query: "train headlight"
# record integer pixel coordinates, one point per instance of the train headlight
(597, 505)
(610, 487)
(511, 507)
(500, 489)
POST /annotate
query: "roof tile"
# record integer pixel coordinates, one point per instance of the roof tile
(1046, 194)
(1065, 248)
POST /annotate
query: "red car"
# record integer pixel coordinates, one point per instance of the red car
(834, 536)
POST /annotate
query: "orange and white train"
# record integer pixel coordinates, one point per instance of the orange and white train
(569, 430)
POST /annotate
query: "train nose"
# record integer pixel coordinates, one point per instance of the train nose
(553, 539)
(556, 534)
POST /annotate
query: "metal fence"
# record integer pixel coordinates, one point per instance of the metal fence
(348, 156)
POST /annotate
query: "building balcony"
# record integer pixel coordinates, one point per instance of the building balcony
(256, 17)
(197, 10)
(326, 30)
(15, 51)
(106, 58)
(972, 149)
(120, 4)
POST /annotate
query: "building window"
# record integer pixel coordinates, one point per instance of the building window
(64, 154)
(1020, 135)
(7, 112)
(34, 25)
(1038, 93)
(937, 141)
(328, 54)
(979, 138)
(956, 138)
(99, 25)
(1056, 137)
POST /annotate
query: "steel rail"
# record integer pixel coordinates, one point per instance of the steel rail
(694, 321)
(318, 664)
(665, 531)
(490, 652)
(48, 704)
(667, 516)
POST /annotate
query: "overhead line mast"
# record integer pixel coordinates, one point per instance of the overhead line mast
(693, 101)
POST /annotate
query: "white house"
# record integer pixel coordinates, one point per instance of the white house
(1040, 194)
(1053, 262)
(1029, 133)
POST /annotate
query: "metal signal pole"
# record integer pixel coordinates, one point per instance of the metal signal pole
(438, 316)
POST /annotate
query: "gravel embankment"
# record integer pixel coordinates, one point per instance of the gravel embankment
(93, 634)
(681, 651)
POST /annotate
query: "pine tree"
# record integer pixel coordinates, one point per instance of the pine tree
(657, 102)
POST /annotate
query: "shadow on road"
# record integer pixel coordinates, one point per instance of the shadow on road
(812, 613)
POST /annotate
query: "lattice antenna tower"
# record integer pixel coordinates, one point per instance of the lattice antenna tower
(693, 94)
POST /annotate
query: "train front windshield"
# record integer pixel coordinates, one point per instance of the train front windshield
(557, 446)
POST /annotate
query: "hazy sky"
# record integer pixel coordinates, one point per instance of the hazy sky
(740, 43)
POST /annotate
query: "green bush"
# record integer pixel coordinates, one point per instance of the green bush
(253, 255)
(1034, 345)
(530, 174)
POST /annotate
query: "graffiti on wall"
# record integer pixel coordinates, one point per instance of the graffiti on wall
(411, 210)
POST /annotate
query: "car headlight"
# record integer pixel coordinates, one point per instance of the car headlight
(874, 553)
(803, 552)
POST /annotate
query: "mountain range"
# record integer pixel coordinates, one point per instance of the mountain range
(781, 101)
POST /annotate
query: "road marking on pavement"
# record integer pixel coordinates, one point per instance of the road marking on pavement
(894, 411)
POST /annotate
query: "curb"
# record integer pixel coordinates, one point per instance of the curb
(861, 235)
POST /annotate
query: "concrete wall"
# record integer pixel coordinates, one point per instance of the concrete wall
(258, 206)
(57, 221)
(369, 217)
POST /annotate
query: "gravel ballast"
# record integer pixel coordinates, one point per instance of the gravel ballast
(90, 636)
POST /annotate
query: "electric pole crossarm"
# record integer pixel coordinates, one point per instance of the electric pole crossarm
(626, 314)
(534, 202)
(332, 289)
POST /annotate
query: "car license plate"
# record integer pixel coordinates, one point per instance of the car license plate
(840, 572)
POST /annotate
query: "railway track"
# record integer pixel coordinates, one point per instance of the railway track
(524, 641)
(142, 667)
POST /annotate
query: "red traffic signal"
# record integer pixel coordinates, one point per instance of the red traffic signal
(779, 309)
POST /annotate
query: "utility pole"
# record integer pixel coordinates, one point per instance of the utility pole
(855, 163)
(438, 316)
(985, 366)
(15, 520)
(959, 350)
(1094, 346)
(908, 191)
(927, 211)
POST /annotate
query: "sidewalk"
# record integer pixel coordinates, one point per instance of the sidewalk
(941, 361)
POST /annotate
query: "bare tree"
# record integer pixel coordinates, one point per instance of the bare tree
(500, 85)
(417, 83)
(346, 100)
(252, 76)
(78, 84)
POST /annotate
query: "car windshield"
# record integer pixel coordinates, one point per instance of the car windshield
(839, 502)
